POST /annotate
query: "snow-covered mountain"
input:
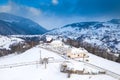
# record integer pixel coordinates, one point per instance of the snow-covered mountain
(105, 34)
(12, 25)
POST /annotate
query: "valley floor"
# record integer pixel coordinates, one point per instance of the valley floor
(52, 72)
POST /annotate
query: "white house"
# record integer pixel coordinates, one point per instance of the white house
(56, 43)
(77, 53)
(49, 39)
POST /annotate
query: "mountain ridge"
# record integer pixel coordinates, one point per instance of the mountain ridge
(19, 25)
(104, 34)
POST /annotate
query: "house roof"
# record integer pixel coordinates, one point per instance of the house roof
(77, 51)
(49, 38)
(56, 42)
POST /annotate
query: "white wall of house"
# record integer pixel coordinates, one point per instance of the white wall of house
(76, 53)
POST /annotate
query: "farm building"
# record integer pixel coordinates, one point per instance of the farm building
(57, 43)
(77, 53)
(49, 39)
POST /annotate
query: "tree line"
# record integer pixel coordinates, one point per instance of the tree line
(18, 47)
(94, 49)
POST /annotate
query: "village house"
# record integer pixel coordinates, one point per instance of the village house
(49, 39)
(77, 53)
(57, 43)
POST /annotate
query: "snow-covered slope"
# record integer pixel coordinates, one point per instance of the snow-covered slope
(5, 41)
(105, 34)
(52, 72)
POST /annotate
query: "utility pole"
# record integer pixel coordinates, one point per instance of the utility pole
(40, 61)
(83, 57)
(45, 62)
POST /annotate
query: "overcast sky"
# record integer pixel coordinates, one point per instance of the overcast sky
(56, 13)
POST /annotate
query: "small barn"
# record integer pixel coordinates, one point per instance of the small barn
(77, 53)
(49, 39)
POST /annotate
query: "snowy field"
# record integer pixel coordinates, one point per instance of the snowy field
(104, 63)
(5, 42)
(38, 71)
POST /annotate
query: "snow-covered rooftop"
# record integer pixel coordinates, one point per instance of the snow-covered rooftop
(77, 50)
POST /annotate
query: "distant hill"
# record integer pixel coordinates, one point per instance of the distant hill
(13, 25)
(104, 34)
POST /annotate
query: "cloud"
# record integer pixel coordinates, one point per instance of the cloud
(5, 8)
(55, 2)
(50, 16)
(34, 11)
(20, 10)
(24, 11)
